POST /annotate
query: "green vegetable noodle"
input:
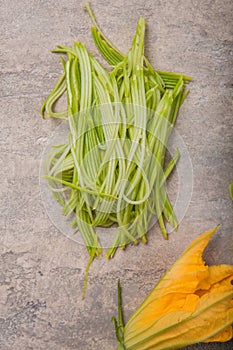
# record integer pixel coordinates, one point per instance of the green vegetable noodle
(111, 171)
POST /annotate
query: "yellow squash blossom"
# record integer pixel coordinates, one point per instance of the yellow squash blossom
(191, 303)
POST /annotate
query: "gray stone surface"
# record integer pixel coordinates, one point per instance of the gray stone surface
(42, 271)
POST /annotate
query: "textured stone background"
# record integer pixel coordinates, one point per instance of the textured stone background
(42, 271)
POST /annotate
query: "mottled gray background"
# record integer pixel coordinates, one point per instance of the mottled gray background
(42, 271)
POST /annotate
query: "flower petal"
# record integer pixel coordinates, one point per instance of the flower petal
(171, 291)
(190, 304)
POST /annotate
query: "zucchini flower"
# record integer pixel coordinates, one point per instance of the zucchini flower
(191, 303)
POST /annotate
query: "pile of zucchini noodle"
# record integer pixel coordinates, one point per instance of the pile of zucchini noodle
(112, 167)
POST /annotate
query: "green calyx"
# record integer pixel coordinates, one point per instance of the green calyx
(119, 325)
